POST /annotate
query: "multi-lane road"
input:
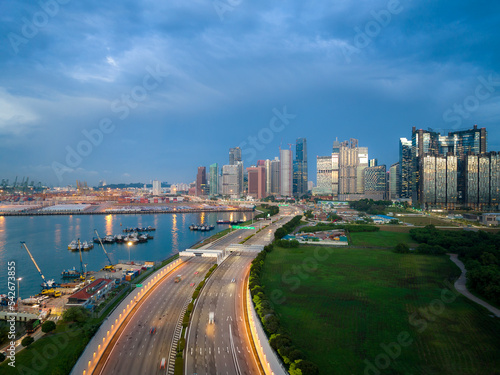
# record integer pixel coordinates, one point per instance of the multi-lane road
(136, 350)
(224, 347)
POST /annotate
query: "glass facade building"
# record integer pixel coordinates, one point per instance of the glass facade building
(300, 168)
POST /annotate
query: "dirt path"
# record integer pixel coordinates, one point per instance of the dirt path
(460, 285)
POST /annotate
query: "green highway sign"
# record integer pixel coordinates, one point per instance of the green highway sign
(138, 285)
(238, 227)
(283, 205)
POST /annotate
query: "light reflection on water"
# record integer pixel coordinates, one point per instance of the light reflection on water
(47, 238)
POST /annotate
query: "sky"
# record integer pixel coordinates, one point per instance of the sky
(131, 91)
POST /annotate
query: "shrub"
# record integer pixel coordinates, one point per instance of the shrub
(401, 248)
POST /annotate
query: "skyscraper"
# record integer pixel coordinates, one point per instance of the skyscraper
(257, 182)
(275, 176)
(459, 144)
(231, 180)
(268, 177)
(286, 172)
(214, 180)
(234, 155)
(375, 182)
(324, 175)
(362, 164)
(405, 168)
(394, 184)
(300, 168)
(201, 181)
(156, 187)
(348, 164)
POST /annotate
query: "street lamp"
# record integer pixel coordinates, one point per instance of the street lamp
(18, 294)
(128, 245)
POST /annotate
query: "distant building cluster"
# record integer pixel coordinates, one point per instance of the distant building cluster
(434, 171)
(282, 176)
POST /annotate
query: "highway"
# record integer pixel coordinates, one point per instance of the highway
(224, 347)
(137, 351)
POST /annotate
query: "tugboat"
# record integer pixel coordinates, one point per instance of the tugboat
(73, 246)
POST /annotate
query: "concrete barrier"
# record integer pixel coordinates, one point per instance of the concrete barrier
(268, 358)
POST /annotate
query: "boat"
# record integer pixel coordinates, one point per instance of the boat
(73, 245)
(201, 227)
(139, 229)
(70, 274)
(49, 284)
(87, 245)
(119, 238)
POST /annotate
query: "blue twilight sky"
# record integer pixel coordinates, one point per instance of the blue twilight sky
(162, 87)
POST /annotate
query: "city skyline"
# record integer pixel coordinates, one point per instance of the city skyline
(136, 91)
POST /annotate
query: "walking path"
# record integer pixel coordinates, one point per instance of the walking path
(460, 285)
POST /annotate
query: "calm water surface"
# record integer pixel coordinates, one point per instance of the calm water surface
(47, 238)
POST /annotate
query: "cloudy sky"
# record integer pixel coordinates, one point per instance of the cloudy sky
(130, 91)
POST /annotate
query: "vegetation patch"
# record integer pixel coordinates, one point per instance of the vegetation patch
(342, 307)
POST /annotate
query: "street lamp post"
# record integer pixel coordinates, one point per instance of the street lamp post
(18, 294)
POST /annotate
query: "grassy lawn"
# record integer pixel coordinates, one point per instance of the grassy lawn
(380, 239)
(358, 299)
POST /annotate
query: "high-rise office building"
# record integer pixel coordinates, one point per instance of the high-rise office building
(335, 168)
(482, 180)
(362, 164)
(405, 168)
(373, 163)
(375, 182)
(201, 181)
(275, 176)
(286, 175)
(156, 187)
(426, 143)
(231, 180)
(268, 177)
(348, 164)
(234, 155)
(324, 175)
(394, 183)
(257, 182)
(300, 168)
(214, 180)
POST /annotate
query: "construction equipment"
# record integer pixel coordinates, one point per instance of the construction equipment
(83, 276)
(45, 284)
(110, 266)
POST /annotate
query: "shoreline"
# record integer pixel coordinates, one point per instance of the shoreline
(121, 212)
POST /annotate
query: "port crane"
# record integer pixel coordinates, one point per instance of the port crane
(110, 266)
(46, 284)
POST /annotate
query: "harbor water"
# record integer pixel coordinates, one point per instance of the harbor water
(47, 238)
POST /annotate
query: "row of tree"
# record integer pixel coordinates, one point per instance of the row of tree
(287, 228)
(348, 227)
(480, 252)
(279, 340)
(370, 206)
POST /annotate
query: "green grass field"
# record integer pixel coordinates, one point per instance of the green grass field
(426, 220)
(380, 239)
(346, 306)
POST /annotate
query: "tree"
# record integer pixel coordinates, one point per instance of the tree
(2, 356)
(48, 326)
(27, 341)
(75, 314)
(401, 248)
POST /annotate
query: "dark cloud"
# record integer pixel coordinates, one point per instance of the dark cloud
(220, 79)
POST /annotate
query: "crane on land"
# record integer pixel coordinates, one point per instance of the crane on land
(45, 284)
(110, 266)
